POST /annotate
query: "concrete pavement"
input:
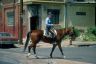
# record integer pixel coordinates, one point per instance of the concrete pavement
(66, 43)
(31, 60)
(21, 58)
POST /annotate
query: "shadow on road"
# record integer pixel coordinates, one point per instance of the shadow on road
(6, 46)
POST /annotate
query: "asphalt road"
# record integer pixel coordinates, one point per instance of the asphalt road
(81, 54)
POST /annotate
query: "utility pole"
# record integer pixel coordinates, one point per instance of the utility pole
(21, 23)
(14, 7)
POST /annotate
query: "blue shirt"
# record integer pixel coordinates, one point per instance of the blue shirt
(48, 22)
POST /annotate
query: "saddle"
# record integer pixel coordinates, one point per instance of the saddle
(52, 33)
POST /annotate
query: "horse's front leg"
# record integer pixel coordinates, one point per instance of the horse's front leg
(54, 46)
(60, 48)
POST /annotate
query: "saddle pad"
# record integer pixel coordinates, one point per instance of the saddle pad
(54, 31)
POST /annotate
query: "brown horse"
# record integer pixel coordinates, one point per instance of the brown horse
(37, 35)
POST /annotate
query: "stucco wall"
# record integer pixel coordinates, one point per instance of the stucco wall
(81, 21)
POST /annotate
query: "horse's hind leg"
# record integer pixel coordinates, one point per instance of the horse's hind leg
(34, 50)
(29, 50)
(54, 46)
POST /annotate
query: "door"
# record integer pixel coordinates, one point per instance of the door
(34, 19)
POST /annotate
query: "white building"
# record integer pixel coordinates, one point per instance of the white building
(77, 13)
(81, 13)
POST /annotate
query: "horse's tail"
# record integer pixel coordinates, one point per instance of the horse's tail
(27, 40)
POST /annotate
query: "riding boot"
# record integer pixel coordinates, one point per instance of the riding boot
(53, 38)
(47, 33)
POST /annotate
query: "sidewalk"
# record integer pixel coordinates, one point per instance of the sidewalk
(65, 43)
(83, 43)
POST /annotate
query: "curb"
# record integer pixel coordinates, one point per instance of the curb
(65, 43)
(80, 43)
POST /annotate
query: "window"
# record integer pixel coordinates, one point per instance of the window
(10, 18)
(55, 13)
(81, 13)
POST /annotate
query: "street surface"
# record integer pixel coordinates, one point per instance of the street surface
(74, 55)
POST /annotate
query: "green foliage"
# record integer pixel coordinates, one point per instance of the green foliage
(90, 34)
(89, 37)
(85, 35)
(92, 31)
(76, 32)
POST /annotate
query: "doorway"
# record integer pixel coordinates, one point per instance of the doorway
(34, 22)
(34, 19)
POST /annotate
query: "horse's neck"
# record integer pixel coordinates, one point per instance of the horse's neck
(62, 33)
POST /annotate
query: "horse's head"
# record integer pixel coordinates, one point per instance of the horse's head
(70, 31)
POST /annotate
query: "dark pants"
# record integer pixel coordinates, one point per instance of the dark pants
(48, 29)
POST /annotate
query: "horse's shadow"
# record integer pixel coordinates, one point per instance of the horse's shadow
(45, 57)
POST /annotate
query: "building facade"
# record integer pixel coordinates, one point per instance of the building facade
(81, 13)
(77, 13)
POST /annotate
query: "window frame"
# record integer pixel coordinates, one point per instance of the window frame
(56, 13)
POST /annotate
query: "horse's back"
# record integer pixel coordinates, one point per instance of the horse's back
(36, 33)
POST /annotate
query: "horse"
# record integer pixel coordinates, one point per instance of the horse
(37, 35)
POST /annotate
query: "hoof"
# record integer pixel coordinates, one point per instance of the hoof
(51, 57)
(64, 57)
(29, 54)
(36, 56)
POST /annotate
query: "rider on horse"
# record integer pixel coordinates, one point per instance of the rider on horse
(49, 24)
